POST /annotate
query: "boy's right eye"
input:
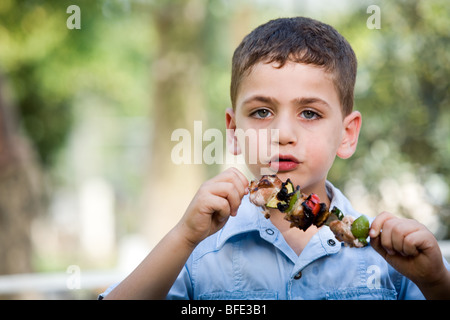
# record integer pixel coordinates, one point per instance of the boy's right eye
(261, 113)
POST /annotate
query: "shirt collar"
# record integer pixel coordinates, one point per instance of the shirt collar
(339, 200)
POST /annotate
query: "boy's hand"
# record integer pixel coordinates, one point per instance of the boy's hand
(212, 205)
(411, 249)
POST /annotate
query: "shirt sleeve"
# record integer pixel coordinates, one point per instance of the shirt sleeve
(102, 295)
(182, 287)
(447, 265)
(409, 291)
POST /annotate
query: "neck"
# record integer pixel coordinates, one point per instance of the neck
(297, 239)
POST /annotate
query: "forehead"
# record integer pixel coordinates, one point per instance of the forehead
(293, 80)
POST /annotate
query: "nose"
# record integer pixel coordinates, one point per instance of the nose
(284, 130)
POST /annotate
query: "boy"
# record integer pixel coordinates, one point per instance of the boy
(295, 76)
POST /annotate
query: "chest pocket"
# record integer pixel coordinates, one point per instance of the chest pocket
(362, 294)
(239, 295)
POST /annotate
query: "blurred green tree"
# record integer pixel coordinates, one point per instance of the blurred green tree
(50, 72)
(403, 93)
(32, 54)
(170, 60)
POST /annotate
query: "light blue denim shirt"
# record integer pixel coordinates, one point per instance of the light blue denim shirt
(249, 259)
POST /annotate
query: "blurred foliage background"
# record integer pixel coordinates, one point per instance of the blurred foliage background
(86, 117)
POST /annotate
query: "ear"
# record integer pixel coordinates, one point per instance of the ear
(232, 142)
(352, 126)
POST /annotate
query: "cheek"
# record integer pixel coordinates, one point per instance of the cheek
(256, 145)
(321, 152)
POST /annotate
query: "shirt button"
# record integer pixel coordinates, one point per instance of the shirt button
(298, 275)
(331, 242)
(270, 232)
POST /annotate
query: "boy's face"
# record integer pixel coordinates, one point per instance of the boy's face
(299, 108)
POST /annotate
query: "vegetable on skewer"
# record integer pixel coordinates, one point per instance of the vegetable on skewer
(302, 210)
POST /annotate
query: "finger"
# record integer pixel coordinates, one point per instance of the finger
(221, 209)
(410, 244)
(378, 222)
(400, 230)
(397, 237)
(234, 176)
(228, 191)
(229, 175)
(234, 199)
(211, 199)
(413, 244)
(422, 241)
(386, 236)
(243, 179)
(239, 181)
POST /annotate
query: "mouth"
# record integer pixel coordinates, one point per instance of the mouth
(283, 163)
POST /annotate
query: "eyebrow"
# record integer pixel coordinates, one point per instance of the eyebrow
(259, 98)
(309, 101)
(297, 101)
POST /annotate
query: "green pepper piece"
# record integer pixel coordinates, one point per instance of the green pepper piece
(338, 213)
(293, 200)
(360, 227)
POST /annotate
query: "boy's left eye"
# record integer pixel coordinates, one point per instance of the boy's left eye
(309, 115)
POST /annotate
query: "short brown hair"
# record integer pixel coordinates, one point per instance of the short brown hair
(301, 40)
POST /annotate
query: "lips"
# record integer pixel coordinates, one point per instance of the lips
(282, 163)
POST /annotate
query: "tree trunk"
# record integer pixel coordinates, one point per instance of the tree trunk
(20, 195)
(178, 101)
